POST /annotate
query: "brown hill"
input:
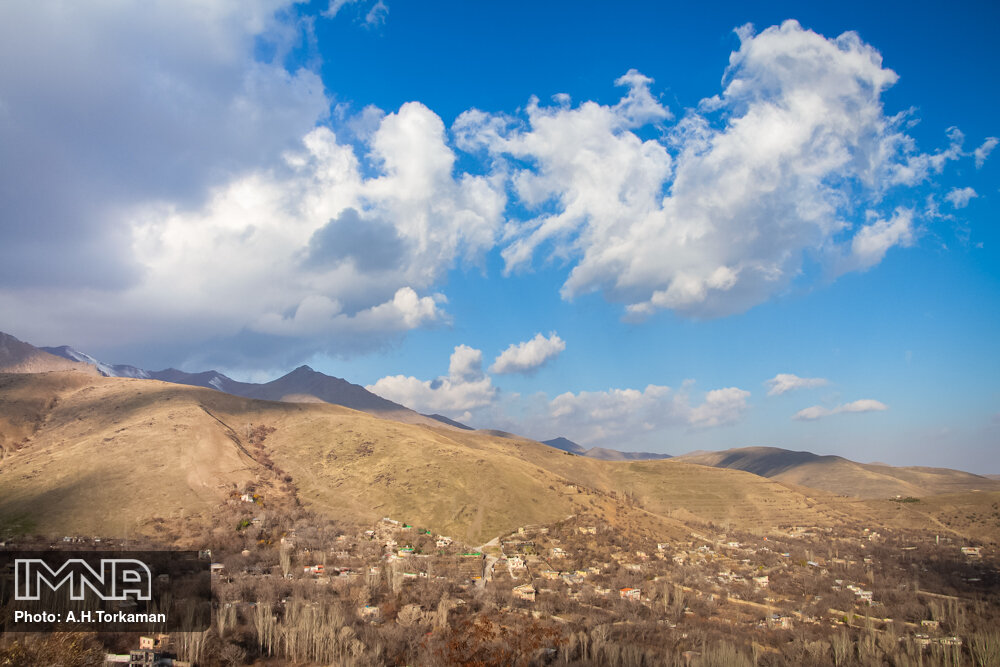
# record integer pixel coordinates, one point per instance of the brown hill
(842, 476)
(20, 357)
(97, 455)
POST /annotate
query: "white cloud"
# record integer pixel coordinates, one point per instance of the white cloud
(375, 15)
(818, 412)
(617, 417)
(613, 418)
(96, 119)
(465, 388)
(721, 407)
(784, 382)
(466, 364)
(310, 249)
(873, 241)
(960, 197)
(529, 355)
(984, 151)
(720, 213)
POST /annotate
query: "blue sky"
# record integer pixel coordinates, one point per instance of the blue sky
(612, 223)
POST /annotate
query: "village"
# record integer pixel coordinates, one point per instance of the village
(578, 591)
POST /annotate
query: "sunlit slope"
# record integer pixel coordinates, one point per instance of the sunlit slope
(685, 491)
(109, 455)
(95, 455)
(972, 516)
(19, 357)
(842, 476)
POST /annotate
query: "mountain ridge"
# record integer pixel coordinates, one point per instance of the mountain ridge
(842, 476)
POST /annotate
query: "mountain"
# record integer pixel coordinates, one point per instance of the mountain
(91, 455)
(107, 370)
(303, 385)
(567, 445)
(19, 357)
(836, 474)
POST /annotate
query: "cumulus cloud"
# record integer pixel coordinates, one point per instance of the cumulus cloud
(818, 412)
(311, 248)
(719, 213)
(528, 356)
(984, 151)
(960, 197)
(873, 241)
(617, 417)
(178, 183)
(465, 387)
(96, 118)
(785, 382)
(612, 418)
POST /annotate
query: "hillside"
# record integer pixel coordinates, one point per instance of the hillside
(96, 455)
(19, 357)
(841, 476)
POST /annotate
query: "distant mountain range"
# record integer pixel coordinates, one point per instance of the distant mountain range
(833, 474)
(302, 385)
(602, 453)
(842, 476)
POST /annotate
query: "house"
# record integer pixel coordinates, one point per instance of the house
(776, 622)
(933, 625)
(516, 563)
(405, 551)
(588, 530)
(549, 574)
(557, 552)
(155, 643)
(314, 569)
(369, 613)
(633, 594)
(216, 568)
(524, 592)
(761, 582)
(443, 541)
(972, 552)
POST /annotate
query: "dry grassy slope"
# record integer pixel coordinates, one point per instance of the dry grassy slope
(19, 357)
(685, 491)
(972, 516)
(110, 454)
(841, 476)
(106, 454)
